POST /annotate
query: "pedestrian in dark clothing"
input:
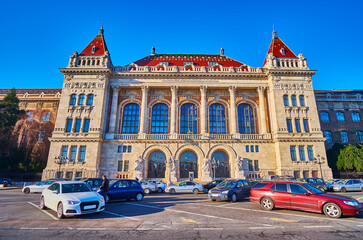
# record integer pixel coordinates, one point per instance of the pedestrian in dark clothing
(104, 187)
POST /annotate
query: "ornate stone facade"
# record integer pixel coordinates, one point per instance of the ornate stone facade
(235, 121)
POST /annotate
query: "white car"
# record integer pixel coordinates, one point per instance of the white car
(37, 188)
(149, 187)
(71, 198)
(185, 187)
(161, 185)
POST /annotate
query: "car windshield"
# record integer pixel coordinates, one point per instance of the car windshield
(112, 182)
(341, 181)
(312, 189)
(40, 183)
(227, 183)
(75, 187)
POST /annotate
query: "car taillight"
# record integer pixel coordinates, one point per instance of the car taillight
(156, 186)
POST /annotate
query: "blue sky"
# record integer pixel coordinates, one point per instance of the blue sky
(39, 36)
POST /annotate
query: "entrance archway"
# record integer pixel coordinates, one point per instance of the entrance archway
(188, 163)
(157, 165)
(222, 166)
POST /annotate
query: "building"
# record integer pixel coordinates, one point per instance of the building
(340, 114)
(175, 116)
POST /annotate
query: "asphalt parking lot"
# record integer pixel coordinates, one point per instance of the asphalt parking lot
(164, 216)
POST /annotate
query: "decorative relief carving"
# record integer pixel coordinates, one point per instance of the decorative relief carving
(84, 85)
(102, 78)
(292, 86)
(68, 77)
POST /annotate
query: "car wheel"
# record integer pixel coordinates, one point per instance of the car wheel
(60, 211)
(267, 204)
(214, 200)
(160, 190)
(332, 210)
(26, 190)
(147, 191)
(234, 197)
(343, 190)
(172, 191)
(205, 190)
(42, 204)
(195, 191)
(139, 197)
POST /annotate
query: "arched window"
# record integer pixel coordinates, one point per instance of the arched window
(73, 100)
(245, 119)
(90, 99)
(293, 100)
(157, 165)
(188, 163)
(359, 136)
(81, 99)
(222, 164)
(130, 119)
(217, 123)
(302, 100)
(286, 100)
(324, 117)
(340, 117)
(327, 134)
(188, 119)
(160, 119)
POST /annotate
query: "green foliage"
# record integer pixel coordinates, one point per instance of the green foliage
(332, 155)
(19, 161)
(350, 158)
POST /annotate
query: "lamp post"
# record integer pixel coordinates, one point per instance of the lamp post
(214, 164)
(318, 160)
(59, 160)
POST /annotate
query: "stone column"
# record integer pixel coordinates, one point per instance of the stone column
(173, 111)
(113, 115)
(232, 116)
(203, 112)
(143, 111)
(261, 98)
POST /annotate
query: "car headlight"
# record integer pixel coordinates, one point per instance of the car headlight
(101, 199)
(70, 202)
(351, 203)
(225, 192)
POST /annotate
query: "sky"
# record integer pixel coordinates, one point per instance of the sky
(39, 36)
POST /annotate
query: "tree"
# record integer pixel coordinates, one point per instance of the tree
(332, 155)
(350, 158)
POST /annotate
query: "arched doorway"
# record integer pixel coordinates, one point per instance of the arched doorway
(157, 165)
(188, 163)
(222, 166)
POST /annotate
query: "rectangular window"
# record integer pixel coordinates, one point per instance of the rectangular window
(247, 148)
(69, 125)
(257, 168)
(119, 149)
(297, 174)
(64, 153)
(78, 174)
(82, 154)
(314, 173)
(78, 125)
(302, 153)
(305, 174)
(289, 125)
(119, 166)
(340, 117)
(129, 148)
(86, 125)
(69, 175)
(256, 148)
(73, 154)
(250, 165)
(306, 125)
(126, 167)
(293, 153)
(252, 148)
(124, 149)
(297, 125)
(310, 153)
(344, 136)
(355, 117)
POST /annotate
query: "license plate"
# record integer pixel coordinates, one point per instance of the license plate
(89, 207)
(215, 195)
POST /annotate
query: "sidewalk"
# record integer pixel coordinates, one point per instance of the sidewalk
(8, 188)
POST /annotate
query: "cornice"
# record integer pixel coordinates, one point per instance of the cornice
(85, 71)
(292, 72)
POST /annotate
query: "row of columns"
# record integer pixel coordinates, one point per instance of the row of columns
(203, 110)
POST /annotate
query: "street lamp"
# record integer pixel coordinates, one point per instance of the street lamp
(318, 160)
(214, 164)
(59, 160)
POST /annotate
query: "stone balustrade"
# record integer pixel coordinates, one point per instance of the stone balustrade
(266, 136)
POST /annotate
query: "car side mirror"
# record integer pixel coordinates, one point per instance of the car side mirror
(55, 192)
(307, 194)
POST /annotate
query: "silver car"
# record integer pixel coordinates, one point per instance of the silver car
(347, 185)
(185, 187)
(149, 187)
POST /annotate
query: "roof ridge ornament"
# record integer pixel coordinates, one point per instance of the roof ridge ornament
(152, 51)
(274, 33)
(221, 52)
(101, 31)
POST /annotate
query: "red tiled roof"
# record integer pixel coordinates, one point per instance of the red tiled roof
(100, 46)
(276, 47)
(180, 59)
(33, 91)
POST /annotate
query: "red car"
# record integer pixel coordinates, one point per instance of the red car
(302, 196)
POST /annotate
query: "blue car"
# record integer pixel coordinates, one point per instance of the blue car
(124, 189)
(231, 190)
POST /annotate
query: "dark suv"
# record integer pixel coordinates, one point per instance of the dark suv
(316, 182)
(210, 185)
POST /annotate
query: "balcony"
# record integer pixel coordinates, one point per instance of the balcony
(126, 136)
(266, 136)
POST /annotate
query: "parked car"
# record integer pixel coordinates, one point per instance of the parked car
(185, 187)
(302, 196)
(161, 185)
(330, 182)
(71, 198)
(78, 179)
(38, 187)
(347, 185)
(149, 187)
(125, 189)
(269, 177)
(8, 181)
(210, 185)
(284, 178)
(316, 182)
(94, 183)
(231, 190)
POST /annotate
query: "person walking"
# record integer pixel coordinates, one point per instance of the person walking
(104, 187)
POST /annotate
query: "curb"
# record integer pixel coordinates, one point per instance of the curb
(8, 188)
